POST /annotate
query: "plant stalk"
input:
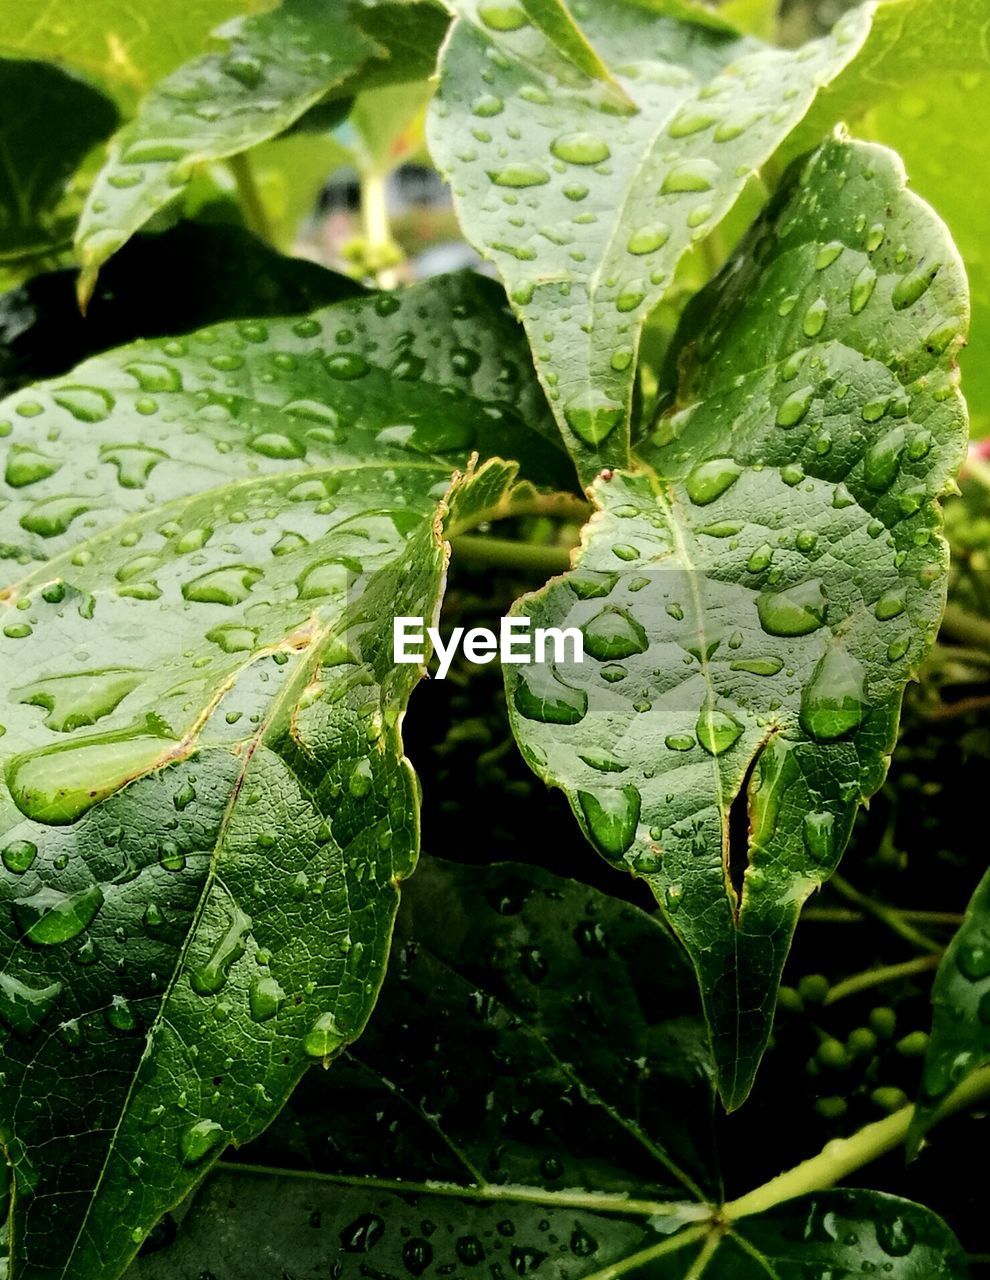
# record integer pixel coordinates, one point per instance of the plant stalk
(503, 553)
(877, 977)
(250, 197)
(886, 915)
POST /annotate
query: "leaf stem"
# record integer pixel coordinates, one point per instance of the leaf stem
(877, 977)
(503, 553)
(844, 1156)
(250, 197)
(966, 627)
(375, 225)
(597, 1202)
(644, 1256)
(845, 915)
(889, 916)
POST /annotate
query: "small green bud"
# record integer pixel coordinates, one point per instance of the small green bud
(813, 988)
(861, 1042)
(831, 1108)
(788, 998)
(914, 1045)
(889, 1098)
(884, 1022)
(832, 1053)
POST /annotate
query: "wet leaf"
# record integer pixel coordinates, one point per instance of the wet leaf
(205, 809)
(960, 1041)
(50, 120)
(753, 601)
(272, 69)
(412, 1156)
(586, 211)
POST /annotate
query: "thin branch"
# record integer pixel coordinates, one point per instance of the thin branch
(889, 916)
(877, 977)
(250, 196)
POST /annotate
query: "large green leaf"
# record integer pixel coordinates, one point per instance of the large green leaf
(230, 274)
(535, 1049)
(923, 82)
(205, 809)
(960, 1040)
(272, 69)
(48, 122)
(586, 211)
(111, 41)
(753, 604)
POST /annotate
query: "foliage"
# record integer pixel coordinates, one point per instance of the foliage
(707, 419)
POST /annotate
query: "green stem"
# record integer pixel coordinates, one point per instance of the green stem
(645, 1256)
(886, 915)
(845, 915)
(877, 977)
(503, 553)
(966, 627)
(597, 1202)
(250, 196)
(844, 1156)
(375, 225)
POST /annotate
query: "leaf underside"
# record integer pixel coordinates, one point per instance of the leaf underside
(205, 810)
(754, 599)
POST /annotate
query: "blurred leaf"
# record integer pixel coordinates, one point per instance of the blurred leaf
(228, 274)
(49, 121)
(960, 1041)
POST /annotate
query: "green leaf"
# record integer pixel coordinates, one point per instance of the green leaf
(924, 69)
(112, 42)
(536, 1060)
(960, 1041)
(755, 602)
(413, 1156)
(205, 808)
(586, 212)
(272, 69)
(554, 19)
(834, 1233)
(230, 274)
(48, 122)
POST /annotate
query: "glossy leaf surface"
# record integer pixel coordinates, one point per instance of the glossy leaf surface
(205, 808)
(752, 606)
(412, 1156)
(274, 67)
(586, 211)
(960, 1040)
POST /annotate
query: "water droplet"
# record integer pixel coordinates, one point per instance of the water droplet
(541, 696)
(690, 120)
(911, 287)
(690, 175)
(679, 742)
(346, 366)
(519, 175)
(891, 604)
(833, 703)
(882, 460)
(709, 480)
(612, 815)
(580, 148)
(502, 16)
(153, 375)
(26, 465)
(717, 730)
(648, 239)
(276, 444)
(87, 404)
(23, 1007)
(792, 410)
(861, 290)
(827, 254)
(815, 318)
(362, 1234)
(197, 1141)
(758, 666)
(231, 585)
(209, 978)
(19, 855)
(613, 634)
(973, 960)
(487, 105)
(49, 917)
(323, 1038)
(819, 836)
(265, 998)
(417, 1254)
(796, 611)
(895, 1236)
(592, 416)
